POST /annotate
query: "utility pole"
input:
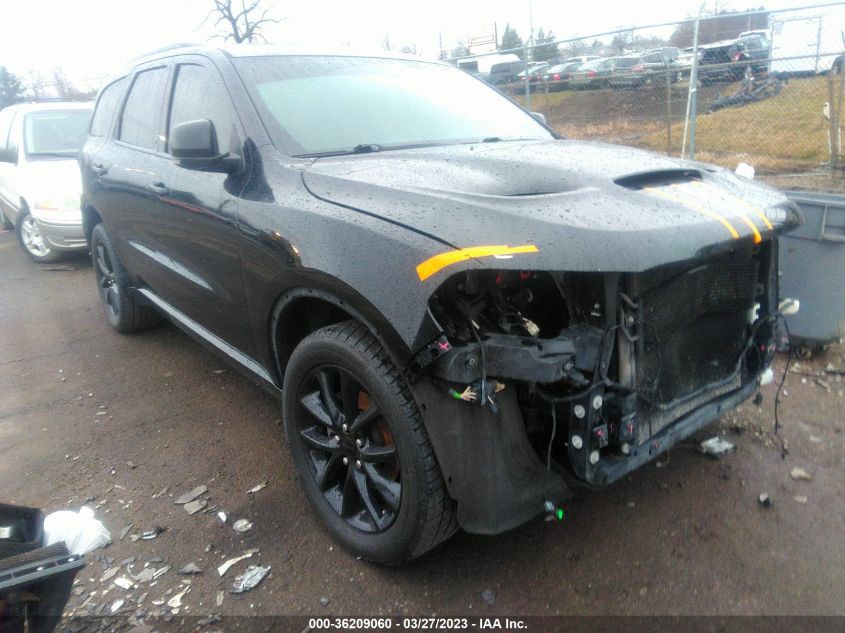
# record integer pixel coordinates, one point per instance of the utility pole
(692, 102)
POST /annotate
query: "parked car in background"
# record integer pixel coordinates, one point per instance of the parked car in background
(640, 69)
(557, 77)
(535, 78)
(504, 73)
(730, 60)
(464, 315)
(39, 175)
(593, 74)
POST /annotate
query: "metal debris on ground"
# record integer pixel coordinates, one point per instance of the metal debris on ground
(489, 597)
(158, 573)
(109, 574)
(190, 568)
(149, 534)
(176, 601)
(123, 582)
(799, 474)
(218, 600)
(222, 516)
(161, 492)
(192, 507)
(242, 525)
(125, 531)
(716, 447)
(190, 496)
(222, 569)
(250, 579)
(145, 575)
(765, 500)
(258, 487)
(800, 499)
(116, 605)
(208, 621)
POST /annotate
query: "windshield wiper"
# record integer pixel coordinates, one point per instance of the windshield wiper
(365, 148)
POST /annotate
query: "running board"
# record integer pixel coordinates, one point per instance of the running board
(241, 360)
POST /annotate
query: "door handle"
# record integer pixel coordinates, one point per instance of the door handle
(99, 169)
(160, 188)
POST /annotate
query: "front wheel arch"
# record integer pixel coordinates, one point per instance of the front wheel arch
(303, 310)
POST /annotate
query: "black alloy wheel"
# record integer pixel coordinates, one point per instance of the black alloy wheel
(352, 454)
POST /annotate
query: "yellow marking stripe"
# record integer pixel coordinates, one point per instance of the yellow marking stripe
(442, 260)
(695, 207)
(745, 204)
(727, 201)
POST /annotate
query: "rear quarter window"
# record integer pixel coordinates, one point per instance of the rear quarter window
(141, 121)
(107, 105)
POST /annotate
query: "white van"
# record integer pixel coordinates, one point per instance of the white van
(40, 187)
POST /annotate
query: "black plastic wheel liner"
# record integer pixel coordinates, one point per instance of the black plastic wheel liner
(489, 466)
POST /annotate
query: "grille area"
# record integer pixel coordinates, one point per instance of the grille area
(695, 327)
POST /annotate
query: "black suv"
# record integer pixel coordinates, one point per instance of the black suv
(731, 60)
(464, 315)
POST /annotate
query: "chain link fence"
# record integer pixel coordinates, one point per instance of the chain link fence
(762, 87)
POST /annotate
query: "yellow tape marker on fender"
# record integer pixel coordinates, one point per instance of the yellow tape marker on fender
(437, 263)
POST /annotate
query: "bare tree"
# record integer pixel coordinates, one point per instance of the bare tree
(241, 20)
(65, 89)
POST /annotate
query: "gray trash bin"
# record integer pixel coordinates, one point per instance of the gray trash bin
(812, 269)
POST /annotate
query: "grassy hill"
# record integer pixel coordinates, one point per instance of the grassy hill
(783, 133)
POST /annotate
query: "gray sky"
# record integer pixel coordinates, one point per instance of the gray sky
(91, 38)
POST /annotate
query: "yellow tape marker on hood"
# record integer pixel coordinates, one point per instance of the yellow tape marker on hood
(439, 262)
(695, 207)
(742, 202)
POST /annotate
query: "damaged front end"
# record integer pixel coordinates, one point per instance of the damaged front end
(566, 379)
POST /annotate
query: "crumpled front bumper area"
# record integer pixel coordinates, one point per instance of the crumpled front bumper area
(595, 373)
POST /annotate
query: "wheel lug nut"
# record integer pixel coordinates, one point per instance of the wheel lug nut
(337, 438)
(359, 442)
(345, 428)
(358, 463)
(345, 461)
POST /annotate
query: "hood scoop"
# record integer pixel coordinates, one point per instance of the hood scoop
(660, 178)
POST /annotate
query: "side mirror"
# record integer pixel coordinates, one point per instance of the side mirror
(540, 117)
(193, 145)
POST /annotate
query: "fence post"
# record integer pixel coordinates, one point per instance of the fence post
(527, 80)
(692, 103)
(668, 105)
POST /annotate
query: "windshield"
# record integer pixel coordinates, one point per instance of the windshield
(55, 132)
(331, 105)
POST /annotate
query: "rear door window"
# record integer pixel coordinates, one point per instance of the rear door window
(106, 107)
(141, 121)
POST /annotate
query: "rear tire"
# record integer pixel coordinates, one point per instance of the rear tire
(388, 509)
(123, 310)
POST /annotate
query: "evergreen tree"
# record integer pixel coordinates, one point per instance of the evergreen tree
(11, 88)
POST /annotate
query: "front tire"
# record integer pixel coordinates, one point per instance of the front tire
(123, 310)
(358, 443)
(32, 241)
